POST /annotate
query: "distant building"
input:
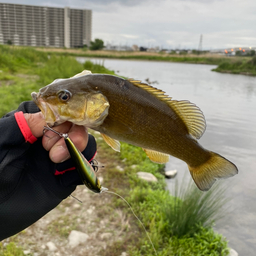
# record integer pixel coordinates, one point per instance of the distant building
(135, 48)
(123, 48)
(44, 26)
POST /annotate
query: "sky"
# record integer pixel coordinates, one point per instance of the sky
(166, 23)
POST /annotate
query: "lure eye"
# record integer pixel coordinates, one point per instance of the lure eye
(64, 95)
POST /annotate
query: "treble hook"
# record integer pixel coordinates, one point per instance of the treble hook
(95, 165)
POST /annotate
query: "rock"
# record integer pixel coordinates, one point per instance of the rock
(232, 252)
(51, 246)
(147, 176)
(170, 174)
(105, 236)
(90, 210)
(76, 237)
(124, 254)
(26, 252)
(119, 168)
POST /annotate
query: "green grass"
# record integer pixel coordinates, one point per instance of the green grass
(13, 59)
(11, 249)
(40, 69)
(192, 208)
(178, 225)
(243, 66)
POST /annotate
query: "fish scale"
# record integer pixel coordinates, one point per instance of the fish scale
(139, 114)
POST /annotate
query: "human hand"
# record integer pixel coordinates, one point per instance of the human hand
(52, 142)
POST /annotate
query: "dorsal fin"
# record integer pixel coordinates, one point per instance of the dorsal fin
(157, 92)
(189, 113)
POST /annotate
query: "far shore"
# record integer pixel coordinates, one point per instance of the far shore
(243, 65)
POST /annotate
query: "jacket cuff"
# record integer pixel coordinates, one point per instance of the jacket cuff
(24, 128)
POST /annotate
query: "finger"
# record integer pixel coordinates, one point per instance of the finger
(79, 135)
(50, 138)
(36, 123)
(59, 152)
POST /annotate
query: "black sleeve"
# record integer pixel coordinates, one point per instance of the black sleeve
(29, 187)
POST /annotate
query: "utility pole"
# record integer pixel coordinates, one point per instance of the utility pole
(200, 46)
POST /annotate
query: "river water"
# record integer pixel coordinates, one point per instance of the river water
(229, 105)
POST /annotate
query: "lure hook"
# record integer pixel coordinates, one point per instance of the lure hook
(95, 165)
(47, 128)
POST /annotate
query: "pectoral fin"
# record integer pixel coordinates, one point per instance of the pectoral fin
(115, 144)
(156, 156)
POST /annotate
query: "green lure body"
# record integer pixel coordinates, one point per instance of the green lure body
(84, 168)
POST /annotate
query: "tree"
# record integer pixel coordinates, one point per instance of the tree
(251, 53)
(98, 44)
(238, 53)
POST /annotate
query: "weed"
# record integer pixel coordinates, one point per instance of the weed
(11, 249)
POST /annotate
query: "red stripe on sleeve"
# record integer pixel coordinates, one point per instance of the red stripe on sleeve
(92, 157)
(24, 128)
(70, 169)
(62, 172)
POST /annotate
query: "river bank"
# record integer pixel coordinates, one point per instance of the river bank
(106, 221)
(238, 66)
(212, 59)
(226, 64)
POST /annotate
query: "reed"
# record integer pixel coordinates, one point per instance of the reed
(192, 209)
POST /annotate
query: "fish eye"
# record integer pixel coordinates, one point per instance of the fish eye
(64, 95)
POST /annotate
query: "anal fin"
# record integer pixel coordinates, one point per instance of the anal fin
(115, 144)
(156, 156)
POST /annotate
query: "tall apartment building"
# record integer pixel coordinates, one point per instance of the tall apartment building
(44, 26)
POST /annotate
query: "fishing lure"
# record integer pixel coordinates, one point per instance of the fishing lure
(83, 167)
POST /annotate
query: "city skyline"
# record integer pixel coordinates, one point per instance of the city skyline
(168, 24)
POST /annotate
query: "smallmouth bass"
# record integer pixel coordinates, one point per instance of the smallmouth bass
(136, 113)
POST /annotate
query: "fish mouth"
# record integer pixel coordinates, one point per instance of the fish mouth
(49, 111)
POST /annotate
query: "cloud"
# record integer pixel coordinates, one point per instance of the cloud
(168, 23)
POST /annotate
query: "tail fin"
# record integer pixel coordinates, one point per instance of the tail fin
(217, 167)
